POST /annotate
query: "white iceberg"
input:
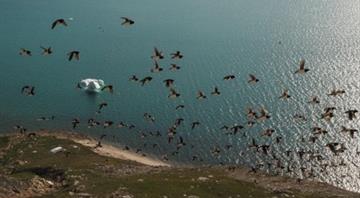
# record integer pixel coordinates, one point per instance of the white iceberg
(92, 85)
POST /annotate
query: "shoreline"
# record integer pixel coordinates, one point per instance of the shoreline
(144, 167)
(107, 150)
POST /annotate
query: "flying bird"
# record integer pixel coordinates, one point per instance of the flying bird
(351, 114)
(102, 105)
(75, 122)
(173, 93)
(127, 21)
(200, 95)
(216, 91)
(58, 22)
(285, 94)
(177, 55)
(194, 124)
(348, 130)
(314, 100)
(229, 77)
(253, 79)
(74, 54)
(302, 69)
(149, 117)
(46, 51)
(268, 132)
(25, 52)
(179, 107)
(319, 131)
(145, 80)
(108, 124)
(168, 82)
(133, 78)
(157, 54)
(251, 113)
(28, 90)
(328, 114)
(109, 88)
(336, 92)
(264, 114)
(156, 68)
(174, 67)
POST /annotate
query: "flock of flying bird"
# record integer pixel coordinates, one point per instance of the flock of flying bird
(253, 116)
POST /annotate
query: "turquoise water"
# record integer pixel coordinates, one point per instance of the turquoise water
(217, 38)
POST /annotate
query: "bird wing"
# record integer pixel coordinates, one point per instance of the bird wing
(24, 88)
(252, 77)
(71, 55)
(54, 24)
(302, 64)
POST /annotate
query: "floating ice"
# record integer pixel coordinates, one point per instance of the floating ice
(92, 85)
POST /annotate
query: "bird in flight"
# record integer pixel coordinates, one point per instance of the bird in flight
(127, 21)
(74, 54)
(156, 68)
(157, 54)
(194, 124)
(168, 82)
(145, 80)
(253, 79)
(179, 107)
(285, 94)
(264, 114)
(102, 105)
(133, 78)
(314, 100)
(177, 55)
(46, 51)
(25, 52)
(173, 93)
(174, 67)
(58, 22)
(28, 90)
(336, 92)
(215, 92)
(229, 77)
(75, 122)
(200, 95)
(109, 88)
(302, 69)
(351, 114)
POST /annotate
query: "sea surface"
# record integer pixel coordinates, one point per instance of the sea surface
(218, 38)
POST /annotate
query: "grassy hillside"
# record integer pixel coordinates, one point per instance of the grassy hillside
(28, 168)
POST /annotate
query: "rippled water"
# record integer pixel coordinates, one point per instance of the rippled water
(218, 38)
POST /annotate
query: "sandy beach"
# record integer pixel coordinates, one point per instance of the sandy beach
(106, 149)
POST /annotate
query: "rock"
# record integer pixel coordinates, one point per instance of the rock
(203, 179)
(21, 163)
(193, 196)
(83, 194)
(57, 149)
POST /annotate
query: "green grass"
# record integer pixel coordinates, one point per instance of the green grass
(180, 182)
(4, 141)
(101, 176)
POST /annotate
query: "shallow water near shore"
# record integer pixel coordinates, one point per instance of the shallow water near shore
(244, 37)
